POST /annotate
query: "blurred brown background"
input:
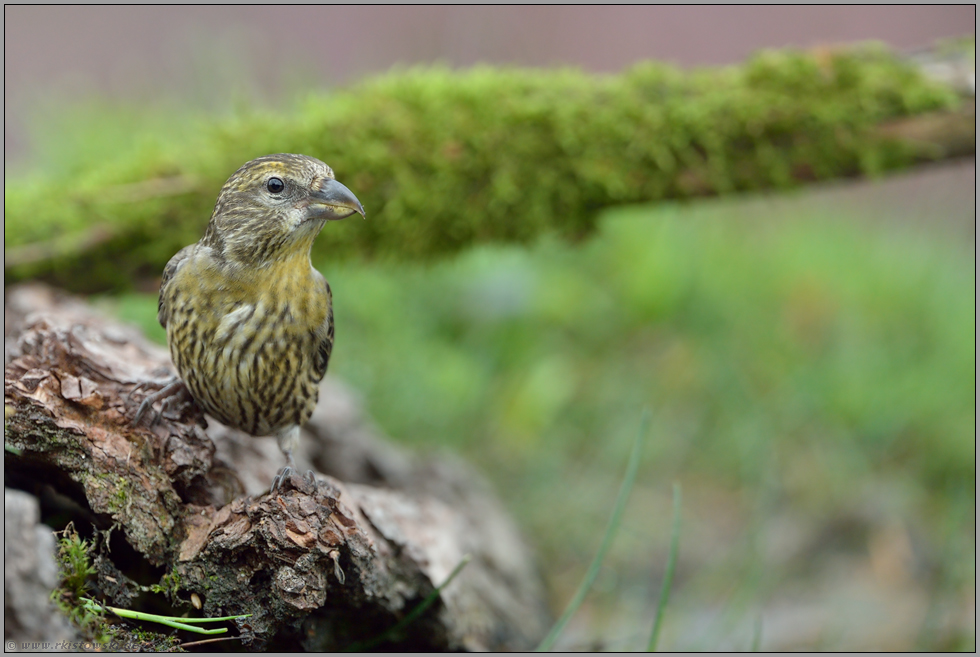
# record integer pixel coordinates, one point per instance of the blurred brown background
(212, 54)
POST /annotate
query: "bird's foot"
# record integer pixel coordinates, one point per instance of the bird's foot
(308, 482)
(280, 478)
(171, 392)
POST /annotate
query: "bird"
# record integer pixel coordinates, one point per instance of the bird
(249, 321)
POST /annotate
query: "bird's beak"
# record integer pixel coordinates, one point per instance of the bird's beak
(334, 201)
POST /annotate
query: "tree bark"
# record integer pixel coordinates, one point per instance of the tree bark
(320, 565)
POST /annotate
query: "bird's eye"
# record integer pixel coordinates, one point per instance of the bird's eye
(275, 185)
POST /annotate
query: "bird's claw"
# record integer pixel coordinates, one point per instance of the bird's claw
(309, 478)
(171, 392)
(278, 480)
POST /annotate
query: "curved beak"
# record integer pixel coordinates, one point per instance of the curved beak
(334, 201)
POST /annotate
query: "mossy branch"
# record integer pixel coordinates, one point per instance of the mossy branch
(443, 160)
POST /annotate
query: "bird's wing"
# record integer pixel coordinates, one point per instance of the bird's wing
(163, 312)
(324, 336)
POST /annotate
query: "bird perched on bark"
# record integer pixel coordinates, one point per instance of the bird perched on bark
(249, 321)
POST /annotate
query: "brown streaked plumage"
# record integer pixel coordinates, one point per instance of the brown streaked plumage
(249, 321)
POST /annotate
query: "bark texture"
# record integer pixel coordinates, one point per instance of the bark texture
(323, 564)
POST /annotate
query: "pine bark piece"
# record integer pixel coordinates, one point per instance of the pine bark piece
(320, 564)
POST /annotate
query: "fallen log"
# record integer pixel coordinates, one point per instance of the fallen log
(323, 564)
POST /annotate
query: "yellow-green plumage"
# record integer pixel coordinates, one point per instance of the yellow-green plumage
(249, 321)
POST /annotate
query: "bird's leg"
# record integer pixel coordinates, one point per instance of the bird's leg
(288, 440)
(171, 392)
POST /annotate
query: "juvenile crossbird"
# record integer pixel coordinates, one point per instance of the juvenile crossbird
(249, 321)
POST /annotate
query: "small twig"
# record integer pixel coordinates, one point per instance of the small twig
(68, 244)
(79, 242)
(624, 492)
(935, 135)
(201, 642)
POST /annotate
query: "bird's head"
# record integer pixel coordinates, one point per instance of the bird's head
(273, 208)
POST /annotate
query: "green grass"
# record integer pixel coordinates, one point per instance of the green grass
(787, 355)
(816, 338)
(607, 538)
(675, 537)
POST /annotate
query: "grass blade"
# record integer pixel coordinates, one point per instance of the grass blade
(170, 621)
(624, 492)
(675, 535)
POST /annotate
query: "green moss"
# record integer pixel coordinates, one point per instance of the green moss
(27, 430)
(169, 584)
(76, 570)
(135, 639)
(119, 498)
(72, 597)
(443, 160)
(116, 493)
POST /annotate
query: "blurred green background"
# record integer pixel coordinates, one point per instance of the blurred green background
(810, 369)
(808, 358)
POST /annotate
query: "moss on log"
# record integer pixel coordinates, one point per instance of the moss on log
(445, 159)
